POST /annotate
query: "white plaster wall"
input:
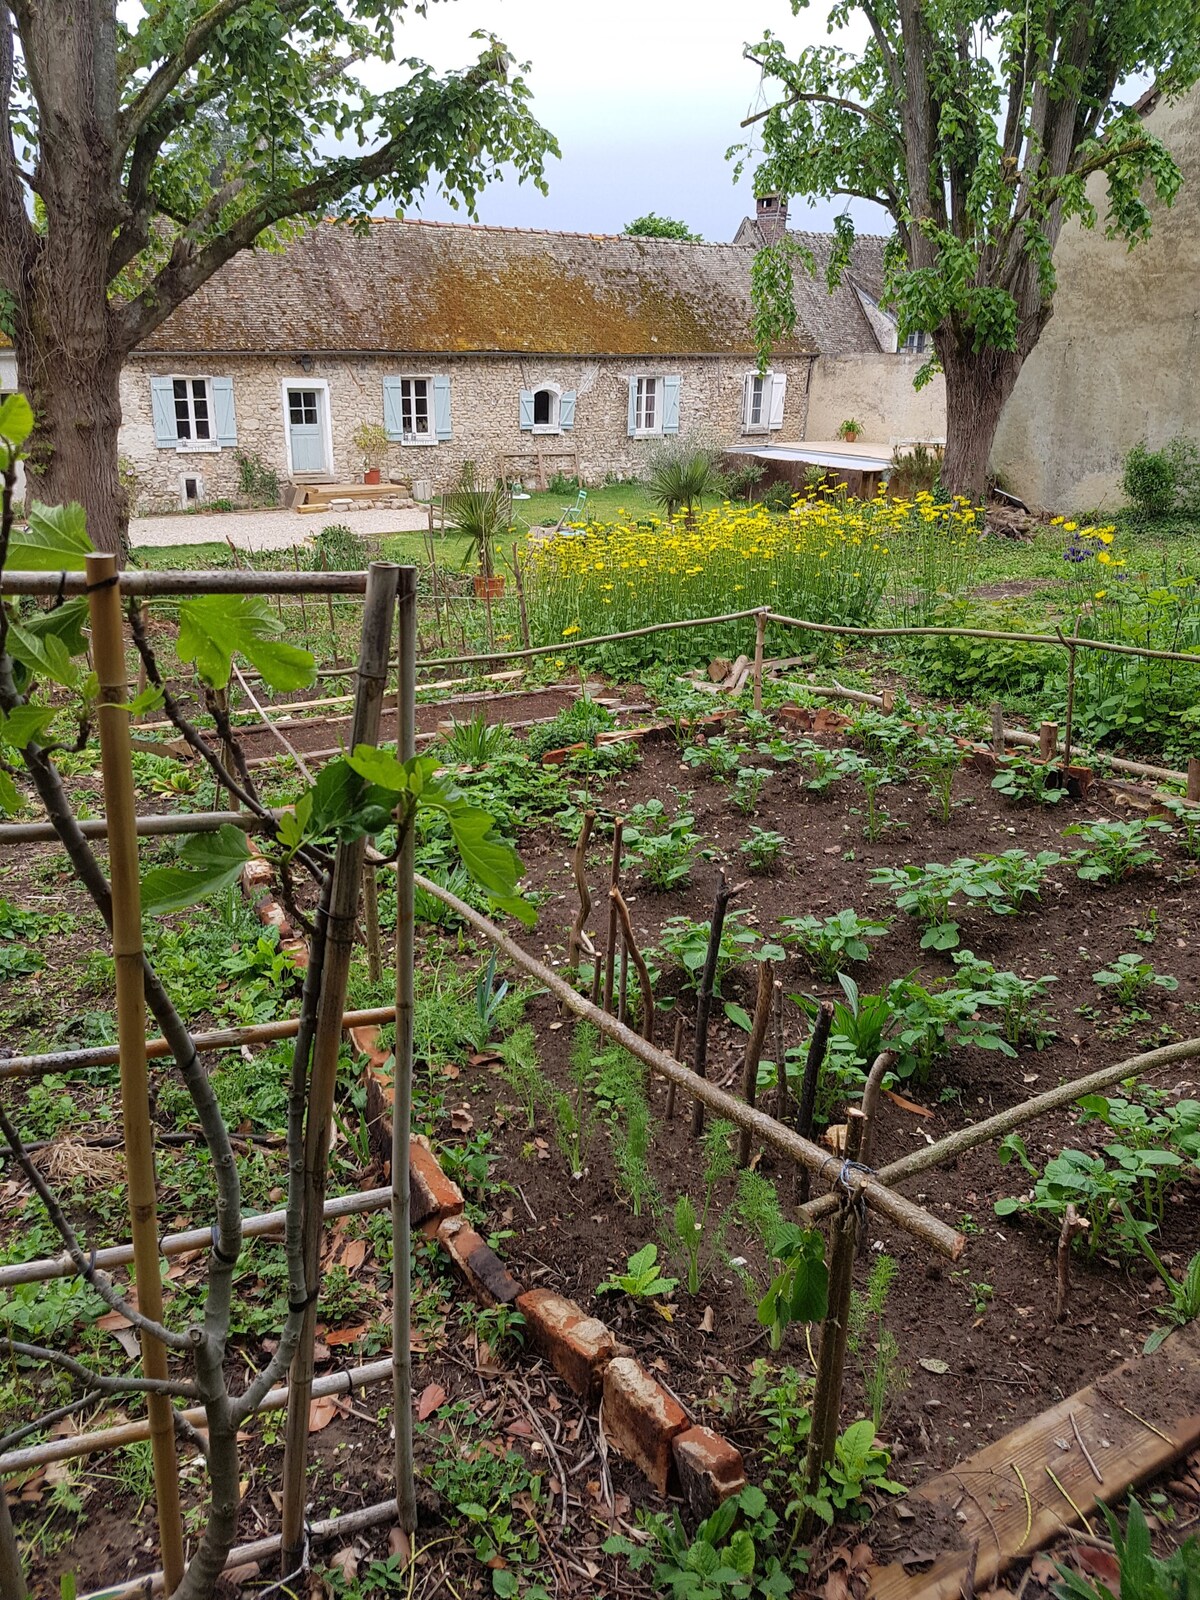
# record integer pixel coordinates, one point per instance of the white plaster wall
(876, 389)
(1119, 360)
(484, 414)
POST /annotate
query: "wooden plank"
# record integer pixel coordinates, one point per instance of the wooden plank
(1134, 1422)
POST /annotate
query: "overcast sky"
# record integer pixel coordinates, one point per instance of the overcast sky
(644, 97)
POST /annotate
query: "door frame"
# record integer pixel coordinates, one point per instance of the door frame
(321, 384)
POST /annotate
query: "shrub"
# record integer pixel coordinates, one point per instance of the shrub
(778, 496)
(681, 475)
(338, 548)
(256, 480)
(1148, 478)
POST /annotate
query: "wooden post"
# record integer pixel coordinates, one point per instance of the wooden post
(629, 948)
(677, 1054)
(831, 1362)
(1048, 741)
(1070, 709)
(1193, 779)
(373, 660)
(998, 728)
(402, 1264)
(818, 1044)
(108, 650)
(760, 634)
(524, 615)
(754, 1049)
(708, 982)
(370, 895)
(579, 866)
(623, 984)
(614, 882)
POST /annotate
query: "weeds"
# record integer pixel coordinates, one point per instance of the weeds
(873, 1342)
(699, 1244)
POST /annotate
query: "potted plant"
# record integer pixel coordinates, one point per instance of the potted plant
(480, 515)
(850, 430)
(371, 442)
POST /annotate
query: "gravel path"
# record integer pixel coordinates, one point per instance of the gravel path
(266, 530)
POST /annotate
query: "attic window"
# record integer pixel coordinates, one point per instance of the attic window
(915, 344)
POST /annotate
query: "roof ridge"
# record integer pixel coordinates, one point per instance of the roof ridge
(549, 233)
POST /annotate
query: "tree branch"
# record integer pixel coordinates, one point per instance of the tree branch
(177, 1388)
(812, 96)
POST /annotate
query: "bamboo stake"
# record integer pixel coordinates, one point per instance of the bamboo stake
(520, 583)
(579, 872)
(402, 1262)
(818, 1044)
(614, 882)
(630, 948)
(831, 1362)
(995, 1127)
(760, 636)
(708, 981)
(677, 1055)
(374, 655)
(177, 1244)
(370, 895)
(108, 647)
(754, 1049)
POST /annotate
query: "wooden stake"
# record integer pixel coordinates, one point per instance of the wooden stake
(374, 656)
(520, 582)
(1072, 1225)
(623, 984)
(630, 947)
(402, 1269)
(831, 1362)
(614, 882)
(579, 871)
(760, 634)
(708, 982)
(677, 1054)
(108, 649)
(754, 1049)
(12, 1580)
(1193, 779)
(883, 1064)
(818, 1044)
(998, 728)
(1048, 741)
(370, 895)
(1066, 766)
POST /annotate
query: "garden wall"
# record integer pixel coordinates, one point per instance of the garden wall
(1119, 360)
(484, 410)
(876, 389)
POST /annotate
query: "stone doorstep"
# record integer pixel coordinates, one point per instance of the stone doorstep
(641, 1420)
(710, 1469)
(577, 1346)
(485, 1274)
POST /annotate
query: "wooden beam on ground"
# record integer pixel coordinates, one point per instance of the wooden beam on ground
(1010, 1499)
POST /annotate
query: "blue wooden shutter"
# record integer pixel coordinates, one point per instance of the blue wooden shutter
(222, 393)
(566, 409)
(670, 408)
(526, 400)
(633, 383)
(393, 411)
(162, 404)
(441, 407)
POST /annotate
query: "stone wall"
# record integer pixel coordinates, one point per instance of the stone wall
(876, 390)
(1119, 361)
(484, 394)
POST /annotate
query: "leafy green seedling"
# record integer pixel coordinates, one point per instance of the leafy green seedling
(831, 943)
(641, 1279)
(1129, 977)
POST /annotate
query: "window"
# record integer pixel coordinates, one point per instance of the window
(763, 396)
(302, 408)
(915, 343)
(414, 408)
(645, 409)
(756, 403)
(193, 409)
(545, 408)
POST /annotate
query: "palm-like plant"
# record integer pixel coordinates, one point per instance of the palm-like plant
(479, 514)
(681, 478)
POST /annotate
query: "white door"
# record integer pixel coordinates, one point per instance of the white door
(306, 429)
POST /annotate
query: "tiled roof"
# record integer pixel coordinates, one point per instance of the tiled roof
(838, 321)
(441, 288)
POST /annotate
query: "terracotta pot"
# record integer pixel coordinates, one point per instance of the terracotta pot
(488, 588)
(372, 475)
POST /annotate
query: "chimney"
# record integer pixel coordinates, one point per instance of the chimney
(772, 215)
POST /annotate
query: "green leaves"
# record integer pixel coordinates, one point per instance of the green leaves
(212, 862)
(641, 1277)
(16, 420)
(54, 538)
(800, 1292)
(216, 627)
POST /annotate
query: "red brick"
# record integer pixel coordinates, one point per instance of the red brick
(577, 1346)
(485, 1274)
(431, 1195)
(641, 1419)
(710, 1469)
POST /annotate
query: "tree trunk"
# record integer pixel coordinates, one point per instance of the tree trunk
(977, 387)
(73, 450)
